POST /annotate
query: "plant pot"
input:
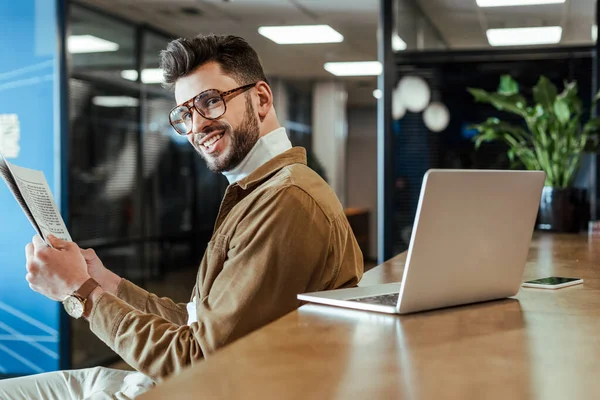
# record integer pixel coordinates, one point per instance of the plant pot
(563, 210)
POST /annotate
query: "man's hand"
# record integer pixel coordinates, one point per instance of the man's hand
(55, 271)
(105, 277)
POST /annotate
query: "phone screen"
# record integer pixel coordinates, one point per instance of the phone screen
(553, 280)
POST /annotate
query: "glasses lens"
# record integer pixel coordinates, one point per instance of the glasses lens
(181, 119)
(210, 104)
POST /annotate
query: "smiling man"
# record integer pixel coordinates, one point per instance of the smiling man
(280, 231)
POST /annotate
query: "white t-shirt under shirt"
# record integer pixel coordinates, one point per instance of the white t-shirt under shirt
(191, 309)
(267, 148)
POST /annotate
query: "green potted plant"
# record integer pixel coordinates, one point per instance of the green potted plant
(552, 138)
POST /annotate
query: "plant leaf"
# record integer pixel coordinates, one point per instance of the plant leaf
(554, 137)
(525, 156)
(514, 103)
(569, 95)
(569, 91)
(508, 85)
(544, 93)
(494, 129)
(561, 109)
(592, 126)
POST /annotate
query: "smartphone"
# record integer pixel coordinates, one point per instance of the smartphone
(552, 282)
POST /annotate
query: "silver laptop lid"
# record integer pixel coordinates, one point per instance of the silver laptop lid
(470, 238)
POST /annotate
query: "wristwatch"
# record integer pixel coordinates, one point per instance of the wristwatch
(75, 303)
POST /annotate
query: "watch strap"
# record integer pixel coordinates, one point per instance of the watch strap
(87, 288)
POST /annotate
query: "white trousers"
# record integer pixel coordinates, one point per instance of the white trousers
(83, 384)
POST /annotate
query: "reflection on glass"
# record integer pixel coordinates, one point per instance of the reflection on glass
(103, 153)
(99, 46)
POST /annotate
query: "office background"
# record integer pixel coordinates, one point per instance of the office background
(136, 192)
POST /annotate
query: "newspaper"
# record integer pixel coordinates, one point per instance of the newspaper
(33, 194)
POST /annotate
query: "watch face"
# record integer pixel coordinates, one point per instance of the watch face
(73, 306)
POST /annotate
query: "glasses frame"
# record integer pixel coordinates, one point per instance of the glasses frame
(190, 104)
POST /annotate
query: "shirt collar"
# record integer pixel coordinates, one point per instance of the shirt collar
(296, 155)
(266, 148)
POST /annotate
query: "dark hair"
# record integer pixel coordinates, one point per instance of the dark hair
(235, 56)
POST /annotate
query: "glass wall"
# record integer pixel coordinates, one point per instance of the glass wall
(448, 47)
(139, 195)
(181, 195)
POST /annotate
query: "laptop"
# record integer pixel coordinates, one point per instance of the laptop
(469, 244)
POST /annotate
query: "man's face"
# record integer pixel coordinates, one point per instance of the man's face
(222, 143)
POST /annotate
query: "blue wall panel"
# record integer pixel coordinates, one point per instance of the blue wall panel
(29, 84)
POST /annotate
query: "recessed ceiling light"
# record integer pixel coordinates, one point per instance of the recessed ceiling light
(594, 32)
(115, 101)
(89, 44)
(505, 3)
(397, 43)
(301, 34)
(149, 75)
(377, 93)
(524, 36)
(355, 68)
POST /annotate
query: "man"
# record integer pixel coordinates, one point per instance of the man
(280, 231)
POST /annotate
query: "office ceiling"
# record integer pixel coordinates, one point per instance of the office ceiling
(461, 24)
(355, 19)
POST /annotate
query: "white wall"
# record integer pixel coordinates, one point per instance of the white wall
(330, 132)
(280, 99)
(361, 166)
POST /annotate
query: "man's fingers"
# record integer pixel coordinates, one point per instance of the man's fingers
(38, 243)
(32, 267)
(57, 243)
(29, 251)
(88, 254)
(35, 288)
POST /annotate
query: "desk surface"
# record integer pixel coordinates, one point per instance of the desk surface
(543, 345)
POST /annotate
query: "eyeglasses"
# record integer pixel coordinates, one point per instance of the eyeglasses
(209, 103)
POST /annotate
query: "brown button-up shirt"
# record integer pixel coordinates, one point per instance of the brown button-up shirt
(280, 231)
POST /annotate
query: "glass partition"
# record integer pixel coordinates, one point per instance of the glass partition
(441, 49)
(139, 194)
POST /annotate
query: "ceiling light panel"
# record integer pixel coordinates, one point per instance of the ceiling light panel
(89, 44)
(301, 34)
(513, 3)
(524, 36)
(355, 68)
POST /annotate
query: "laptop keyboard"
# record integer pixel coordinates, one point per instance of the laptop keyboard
(383, 299)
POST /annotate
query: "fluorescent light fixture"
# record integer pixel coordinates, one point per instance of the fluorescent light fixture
(149, 75)
(506, 3)
(129, 74)
(355, 68)
(377, 93)
(115, 101)
(301, 34)
(524, 36)
(397, 43)
(89, 44)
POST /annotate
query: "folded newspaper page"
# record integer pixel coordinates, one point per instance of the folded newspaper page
(33, 194)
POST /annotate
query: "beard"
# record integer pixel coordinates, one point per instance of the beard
(241, 140)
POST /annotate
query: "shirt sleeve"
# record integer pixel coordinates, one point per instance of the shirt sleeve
(147, 302)
(277, 249)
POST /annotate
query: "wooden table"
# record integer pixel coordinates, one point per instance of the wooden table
(542, 345)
